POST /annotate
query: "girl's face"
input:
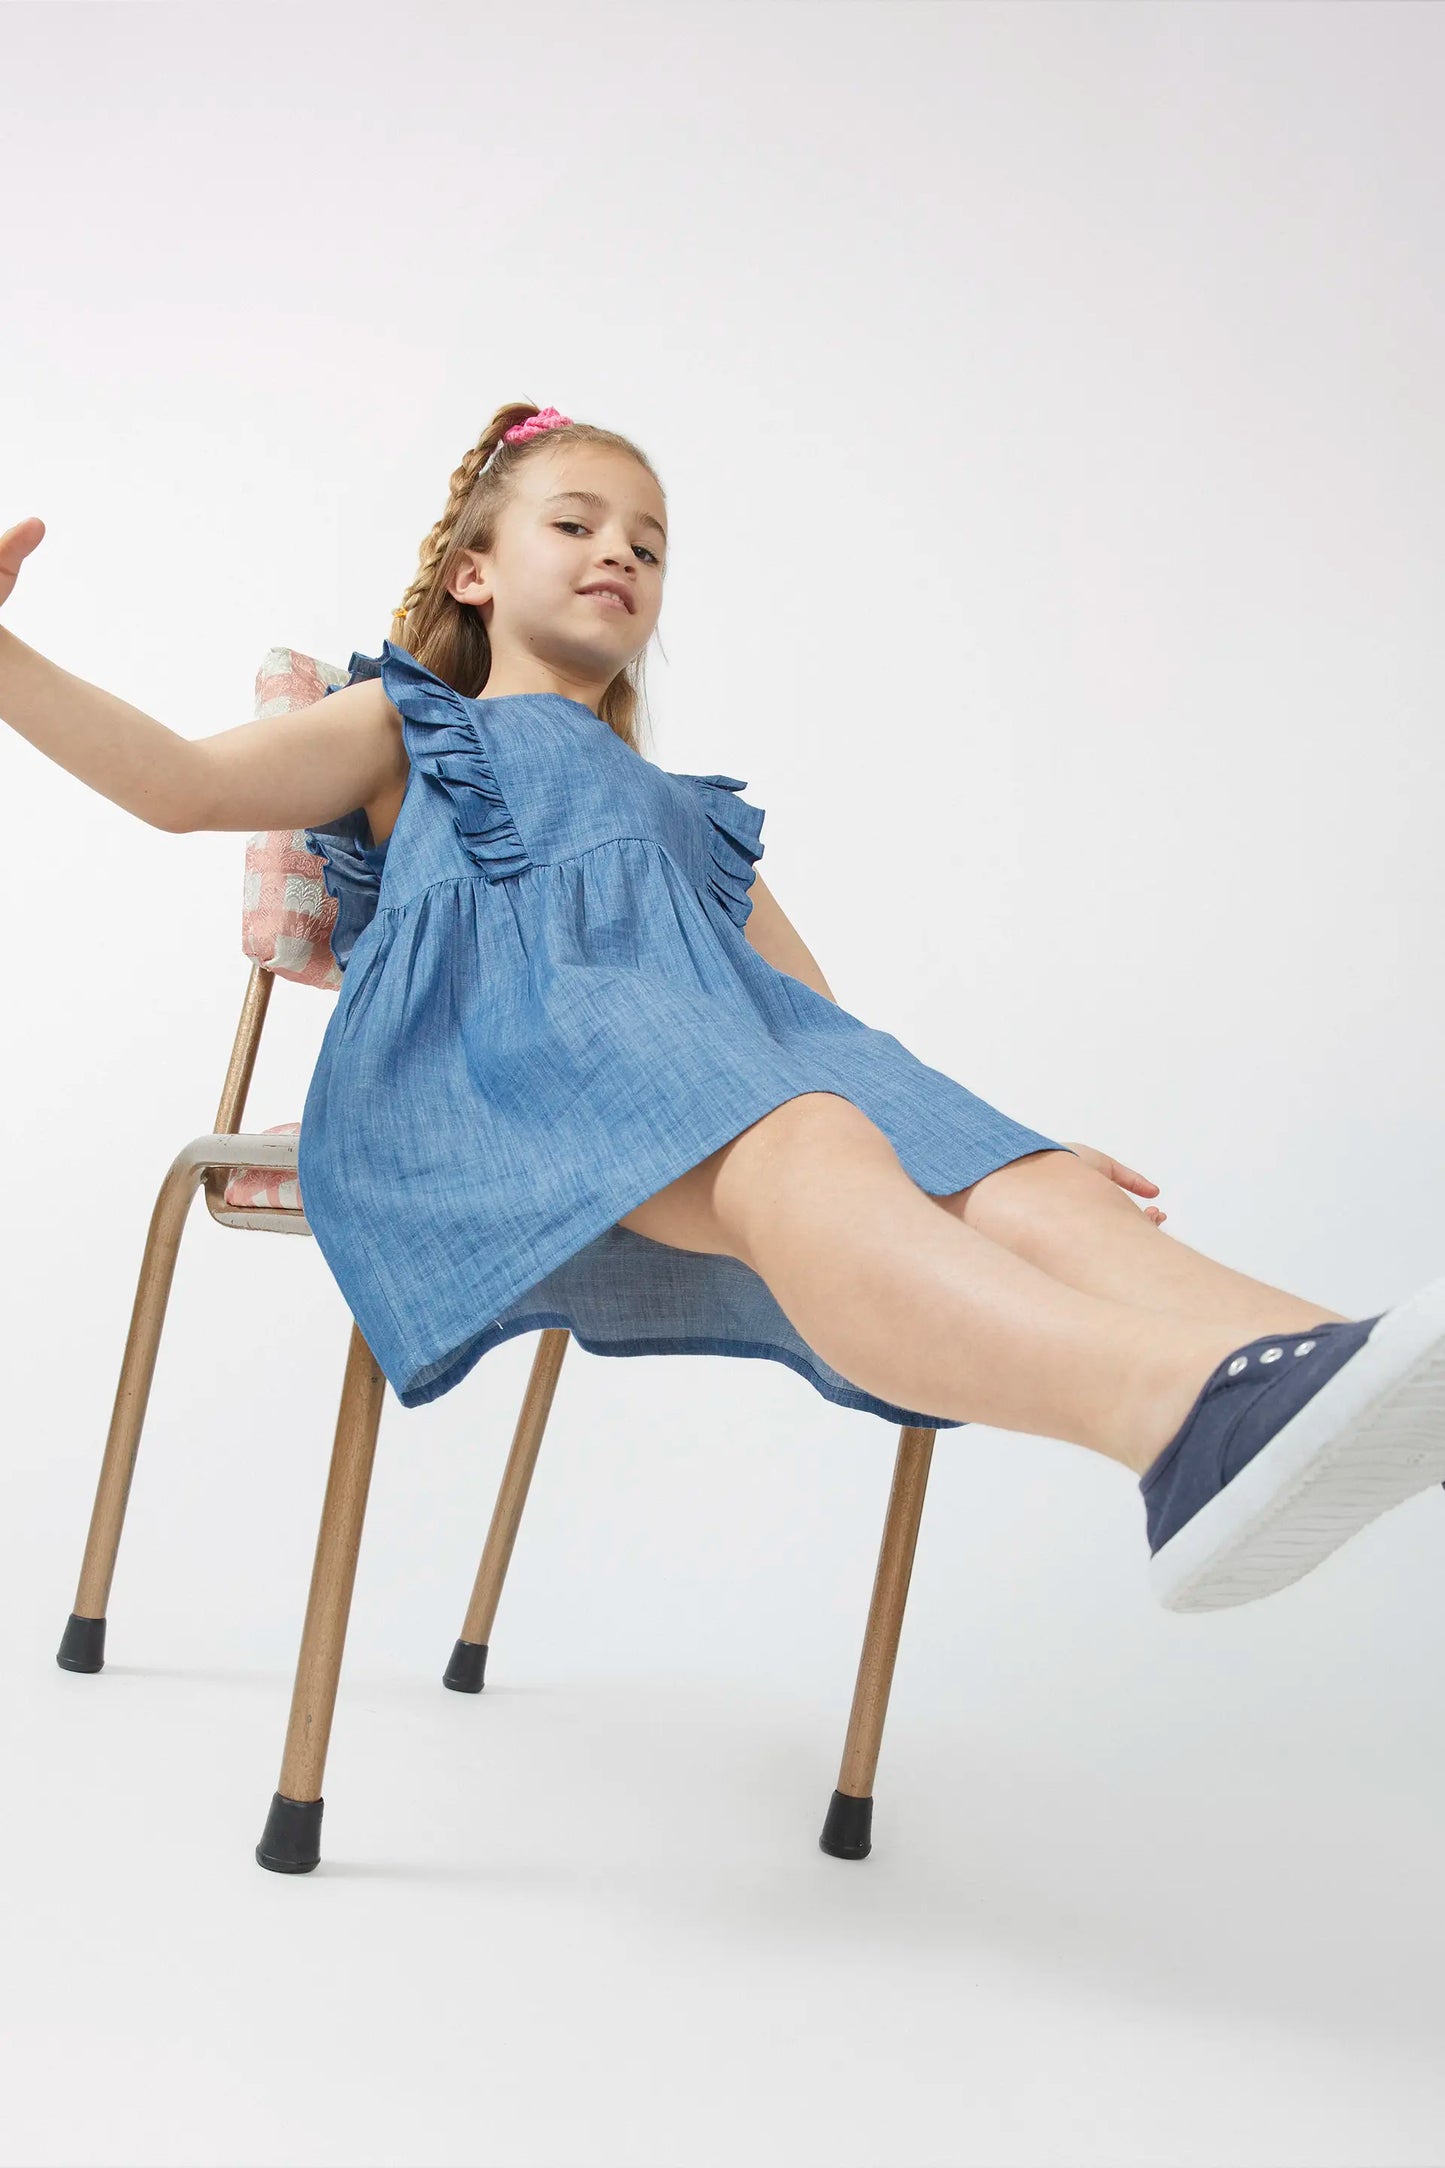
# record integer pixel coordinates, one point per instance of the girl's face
(582, 518)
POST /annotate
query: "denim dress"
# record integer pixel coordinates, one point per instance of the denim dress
(549, 1010)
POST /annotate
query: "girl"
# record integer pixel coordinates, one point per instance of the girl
(583, 1071)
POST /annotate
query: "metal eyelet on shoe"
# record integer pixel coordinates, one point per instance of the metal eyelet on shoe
(1241, 1362)
(1271, 1355)
(1304, 1347)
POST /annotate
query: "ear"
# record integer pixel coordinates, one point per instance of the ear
(468, 582)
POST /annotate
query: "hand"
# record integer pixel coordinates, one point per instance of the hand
(1126, 1177)
(15, 546)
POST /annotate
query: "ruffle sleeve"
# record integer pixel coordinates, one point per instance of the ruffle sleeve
(735, 831)
(351, 864)
(446, 743)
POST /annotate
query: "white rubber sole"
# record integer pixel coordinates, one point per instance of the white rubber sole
(1371, 1437)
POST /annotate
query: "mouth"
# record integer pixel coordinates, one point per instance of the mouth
(610, 597)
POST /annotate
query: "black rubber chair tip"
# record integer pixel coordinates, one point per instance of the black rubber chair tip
(847, 1832)
(291, 1843)
(82, 1645)
(468, 1667)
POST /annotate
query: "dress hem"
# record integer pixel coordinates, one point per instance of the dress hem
(843, 1396)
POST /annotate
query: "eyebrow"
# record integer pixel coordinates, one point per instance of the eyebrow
(599, 504)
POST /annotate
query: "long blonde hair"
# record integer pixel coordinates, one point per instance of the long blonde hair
(450, 637)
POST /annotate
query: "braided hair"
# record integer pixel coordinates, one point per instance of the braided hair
(450, 637)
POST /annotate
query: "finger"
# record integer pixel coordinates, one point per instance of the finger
(18, 541)
(15, 546)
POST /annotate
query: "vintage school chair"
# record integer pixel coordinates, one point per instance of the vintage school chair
(250, 1182)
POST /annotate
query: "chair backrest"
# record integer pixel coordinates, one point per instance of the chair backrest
(287, 914)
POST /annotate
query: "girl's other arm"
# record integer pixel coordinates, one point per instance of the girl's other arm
(777, 941)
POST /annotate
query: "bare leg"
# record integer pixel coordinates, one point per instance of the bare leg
(913, 1305)
(1072, 1222)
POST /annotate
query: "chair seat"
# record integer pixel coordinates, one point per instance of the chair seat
(267, 1187)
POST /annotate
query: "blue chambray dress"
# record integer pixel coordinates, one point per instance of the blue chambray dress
(549, 1010)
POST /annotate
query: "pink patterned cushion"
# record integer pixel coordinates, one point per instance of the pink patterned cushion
(266, 1185)
(286, 913)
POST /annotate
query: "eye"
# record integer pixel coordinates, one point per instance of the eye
(649, 554)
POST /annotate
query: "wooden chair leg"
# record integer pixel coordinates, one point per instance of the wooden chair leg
(291, 1842)
(466, 1673)
(82, 1646)
(847, 1831)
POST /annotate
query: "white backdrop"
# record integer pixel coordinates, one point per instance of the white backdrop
(1047, 400)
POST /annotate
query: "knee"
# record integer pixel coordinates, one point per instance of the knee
(1030, 1195)
(815, 1144)
(809, 1121)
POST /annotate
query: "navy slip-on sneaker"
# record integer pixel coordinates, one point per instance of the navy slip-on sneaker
(1295, 1442)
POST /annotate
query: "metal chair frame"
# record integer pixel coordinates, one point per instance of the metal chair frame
(290, 1843)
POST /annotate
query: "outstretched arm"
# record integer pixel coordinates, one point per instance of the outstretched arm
(779, 943)
(288, 771)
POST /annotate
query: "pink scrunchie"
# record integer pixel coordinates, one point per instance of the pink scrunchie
(534, 425)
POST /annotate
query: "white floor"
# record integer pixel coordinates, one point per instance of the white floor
(1144, 1890)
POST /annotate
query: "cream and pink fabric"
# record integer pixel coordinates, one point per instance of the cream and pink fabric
(267, 1186)
(286, 913)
